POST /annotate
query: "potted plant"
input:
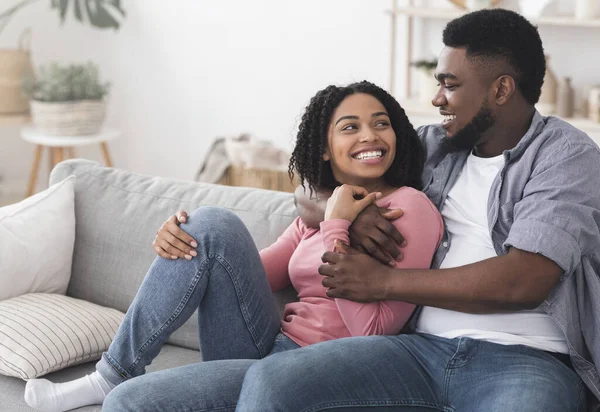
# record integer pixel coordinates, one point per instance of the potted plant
(15, 64)
(426, 83)
(67, 100)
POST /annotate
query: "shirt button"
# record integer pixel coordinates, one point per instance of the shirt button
(445, 244)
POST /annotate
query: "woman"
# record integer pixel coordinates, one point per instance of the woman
(355, 140)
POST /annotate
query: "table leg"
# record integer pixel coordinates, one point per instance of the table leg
(106, 155)
(57, 156)
(35, 167)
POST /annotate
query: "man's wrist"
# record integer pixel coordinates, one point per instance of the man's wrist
(389, 282)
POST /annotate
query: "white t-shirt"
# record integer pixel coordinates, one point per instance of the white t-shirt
(465, 214)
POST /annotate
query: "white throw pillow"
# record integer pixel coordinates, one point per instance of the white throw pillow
(36, 242)
(42, 332)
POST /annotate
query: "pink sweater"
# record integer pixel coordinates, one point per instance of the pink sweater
(296, 256)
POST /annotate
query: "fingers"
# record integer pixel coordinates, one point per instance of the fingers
(172, 251)
(391, 214)
(376, 251)
(331, 257)
(368, 199)
(182, 216)
(177, 232)
(178, 245)
(161, 252)
(342, 247)
(389, 230)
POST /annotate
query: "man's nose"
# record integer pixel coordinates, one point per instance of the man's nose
(439, 99)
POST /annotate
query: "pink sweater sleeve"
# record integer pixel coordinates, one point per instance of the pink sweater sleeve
(276, 258)
(422, 227)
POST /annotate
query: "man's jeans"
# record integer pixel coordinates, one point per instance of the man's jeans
(239, 326)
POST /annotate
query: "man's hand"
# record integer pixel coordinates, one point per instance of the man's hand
(171, 242)
(354, 276)
(372, 232)
(311, 208)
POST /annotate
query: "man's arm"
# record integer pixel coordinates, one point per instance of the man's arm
(518, 280)
(371, 232)
(311, 209)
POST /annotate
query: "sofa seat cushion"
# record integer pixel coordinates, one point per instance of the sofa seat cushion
(12, 389)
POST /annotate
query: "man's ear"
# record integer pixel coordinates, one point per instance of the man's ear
(505, 87)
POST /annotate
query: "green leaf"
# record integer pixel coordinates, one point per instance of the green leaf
(99, 15)
(78, 11)
(64, 5)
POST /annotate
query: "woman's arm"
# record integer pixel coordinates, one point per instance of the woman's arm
(276, 258)
(371, 232)
(423, 227)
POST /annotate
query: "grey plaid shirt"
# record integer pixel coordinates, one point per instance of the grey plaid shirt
(546, 200)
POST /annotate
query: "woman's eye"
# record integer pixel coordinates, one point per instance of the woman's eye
(382, 123)
(349, 127)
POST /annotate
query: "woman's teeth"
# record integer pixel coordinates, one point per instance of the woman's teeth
(369, 155)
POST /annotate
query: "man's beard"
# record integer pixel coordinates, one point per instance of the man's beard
(467, 137)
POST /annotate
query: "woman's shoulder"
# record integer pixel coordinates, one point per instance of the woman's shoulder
(407, 197)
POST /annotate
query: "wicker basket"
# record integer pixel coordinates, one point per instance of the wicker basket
(78, 118)
(259, 178)
(15, 67)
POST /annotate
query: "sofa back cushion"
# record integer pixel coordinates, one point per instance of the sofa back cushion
(117, 214)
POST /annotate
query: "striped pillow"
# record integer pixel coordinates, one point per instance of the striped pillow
(44, 332)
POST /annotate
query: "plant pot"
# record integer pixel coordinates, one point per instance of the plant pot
(78, 118)
(427, 85)
(15, 68)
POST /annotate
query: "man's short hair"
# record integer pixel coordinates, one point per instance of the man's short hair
(498, 34)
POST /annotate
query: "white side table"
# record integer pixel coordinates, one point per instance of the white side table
(61, 147)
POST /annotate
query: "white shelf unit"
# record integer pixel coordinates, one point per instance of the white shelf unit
(424, 113)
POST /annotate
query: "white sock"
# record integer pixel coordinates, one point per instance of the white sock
(58, 397)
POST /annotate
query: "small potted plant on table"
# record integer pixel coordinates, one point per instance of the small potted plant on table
(67, 100)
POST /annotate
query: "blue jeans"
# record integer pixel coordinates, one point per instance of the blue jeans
(412, 373)
(239, 326)
(226, 282)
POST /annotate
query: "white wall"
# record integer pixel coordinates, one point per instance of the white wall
(187, 71)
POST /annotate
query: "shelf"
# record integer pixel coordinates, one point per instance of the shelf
(14, 119)
(449, 14)
(423, 113)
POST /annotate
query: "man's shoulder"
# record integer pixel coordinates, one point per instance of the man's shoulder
(559, 139)
(430, 133)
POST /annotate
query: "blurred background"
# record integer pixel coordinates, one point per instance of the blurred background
(183, 73)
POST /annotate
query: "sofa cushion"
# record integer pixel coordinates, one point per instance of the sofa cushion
(12, 389)
(118, 214)
(36, 242)
(43, 332)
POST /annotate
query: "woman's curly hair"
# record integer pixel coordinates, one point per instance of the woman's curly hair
(311, 142)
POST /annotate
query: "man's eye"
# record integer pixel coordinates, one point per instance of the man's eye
(450, 86)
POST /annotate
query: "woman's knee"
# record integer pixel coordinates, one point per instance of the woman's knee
(212, 220)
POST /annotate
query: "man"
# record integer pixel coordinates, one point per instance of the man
(510, 312)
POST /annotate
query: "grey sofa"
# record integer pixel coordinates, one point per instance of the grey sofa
(117, 214)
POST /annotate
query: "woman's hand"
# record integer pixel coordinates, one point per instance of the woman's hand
(171, 242)
(347, 201)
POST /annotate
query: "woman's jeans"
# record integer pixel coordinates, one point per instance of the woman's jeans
(239, 326)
